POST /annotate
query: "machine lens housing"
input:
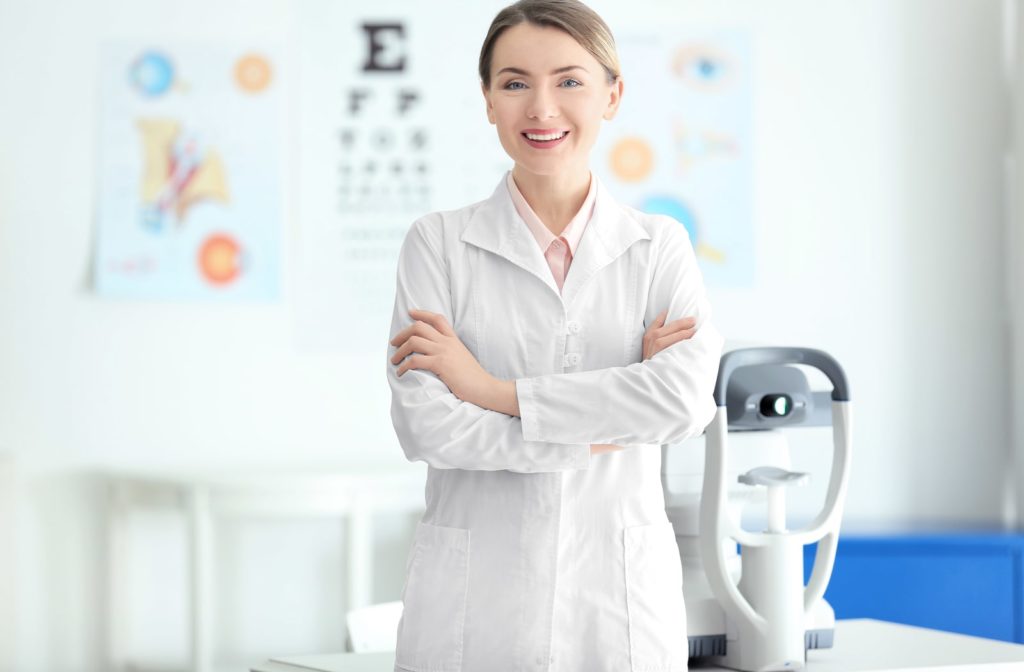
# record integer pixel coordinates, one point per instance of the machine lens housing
(776, 405)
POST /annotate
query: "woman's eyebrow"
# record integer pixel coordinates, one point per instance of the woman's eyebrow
(520, 71)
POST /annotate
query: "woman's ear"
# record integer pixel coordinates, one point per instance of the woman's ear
(487, 102)
(614, 98)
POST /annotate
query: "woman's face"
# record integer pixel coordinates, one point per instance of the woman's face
(528, 95)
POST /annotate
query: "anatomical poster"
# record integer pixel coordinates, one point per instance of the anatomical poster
(190, 175)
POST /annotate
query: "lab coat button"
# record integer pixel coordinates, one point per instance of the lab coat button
(573, 326)
(572, 359)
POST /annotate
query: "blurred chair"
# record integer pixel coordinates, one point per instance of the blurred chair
(373, 628)
(354, 497)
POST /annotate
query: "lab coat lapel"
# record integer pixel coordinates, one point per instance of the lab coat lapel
(495, 226)
(609, 233)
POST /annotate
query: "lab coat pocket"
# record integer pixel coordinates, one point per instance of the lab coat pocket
(434, 601)
(654, 599)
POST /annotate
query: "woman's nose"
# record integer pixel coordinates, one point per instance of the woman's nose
(542, 105)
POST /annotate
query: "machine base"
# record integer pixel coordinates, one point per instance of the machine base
(714, 645)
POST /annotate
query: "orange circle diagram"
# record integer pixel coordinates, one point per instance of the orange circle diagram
(632, 159)
(220, 259)
(252, 72)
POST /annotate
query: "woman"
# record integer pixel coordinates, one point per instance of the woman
(522, 373)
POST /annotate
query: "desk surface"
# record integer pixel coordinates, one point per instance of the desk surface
(861, 645)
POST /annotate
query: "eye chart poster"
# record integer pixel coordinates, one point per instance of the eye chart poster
(190, 175)
(391, 126)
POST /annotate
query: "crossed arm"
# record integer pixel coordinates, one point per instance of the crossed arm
(431, 344)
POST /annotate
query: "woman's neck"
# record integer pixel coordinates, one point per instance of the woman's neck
(555, 199)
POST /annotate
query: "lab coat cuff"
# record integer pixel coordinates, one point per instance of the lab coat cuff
(582, 453)
(579, 453)
(528, 410)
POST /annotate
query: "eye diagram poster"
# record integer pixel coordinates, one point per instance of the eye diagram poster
(680, 143)
(190, 175)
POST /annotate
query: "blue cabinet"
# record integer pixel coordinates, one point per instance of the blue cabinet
(969, 583)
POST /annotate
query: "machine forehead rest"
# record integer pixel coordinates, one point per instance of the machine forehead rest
(819, 359)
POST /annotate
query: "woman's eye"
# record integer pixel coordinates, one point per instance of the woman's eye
(511, 85)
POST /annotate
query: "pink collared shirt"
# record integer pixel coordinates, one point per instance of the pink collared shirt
(558, 250)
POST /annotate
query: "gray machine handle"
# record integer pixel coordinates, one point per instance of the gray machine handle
(819, 359)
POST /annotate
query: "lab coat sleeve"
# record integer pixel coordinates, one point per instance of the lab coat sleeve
(665, 399)
(432, 424)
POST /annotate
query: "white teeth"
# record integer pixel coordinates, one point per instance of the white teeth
(553, 136)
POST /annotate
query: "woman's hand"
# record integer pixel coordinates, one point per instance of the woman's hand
(438, 349)
(657, 337)
(660, 335)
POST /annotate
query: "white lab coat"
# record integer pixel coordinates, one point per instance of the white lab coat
(533, 555)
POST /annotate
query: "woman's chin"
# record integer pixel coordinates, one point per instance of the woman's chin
(553, 165)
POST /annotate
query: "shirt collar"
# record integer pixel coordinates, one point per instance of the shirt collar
(573, 231)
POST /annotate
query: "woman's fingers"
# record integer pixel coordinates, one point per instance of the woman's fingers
(665, 341)
(416, 361)
(417, 328)
(650, 332)
(414, 344)
(658, 338)
(600, 448)
(654, 326)
(436, 320)
(659, 328)
(681, 323)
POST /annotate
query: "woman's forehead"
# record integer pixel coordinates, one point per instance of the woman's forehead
(538, 49)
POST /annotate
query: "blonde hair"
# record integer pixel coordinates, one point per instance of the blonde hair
(571, 16)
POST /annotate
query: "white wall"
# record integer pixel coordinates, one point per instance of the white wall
(7, 560)
(880, 128)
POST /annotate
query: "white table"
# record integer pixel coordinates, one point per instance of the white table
(861, 645)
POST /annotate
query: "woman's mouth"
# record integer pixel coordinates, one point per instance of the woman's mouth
(545, 140)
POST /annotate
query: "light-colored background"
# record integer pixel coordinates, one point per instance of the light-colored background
(883, 181)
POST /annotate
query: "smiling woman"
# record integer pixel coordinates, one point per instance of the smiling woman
(557, 110)
(545, 342)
